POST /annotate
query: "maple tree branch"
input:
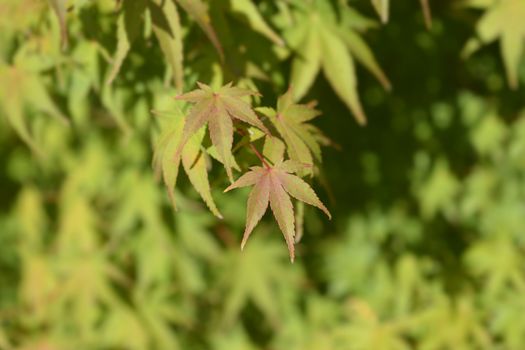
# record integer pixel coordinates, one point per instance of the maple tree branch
(255, 151)
(259, 155)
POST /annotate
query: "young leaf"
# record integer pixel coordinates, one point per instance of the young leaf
(290, 120)
(193, 161)
(167, 28)
(321, 40)
(274, 186)
(217, 109)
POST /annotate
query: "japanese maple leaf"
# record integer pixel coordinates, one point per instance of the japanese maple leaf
(217, 108)
(503, 20)
(290, 120)
(274, 185)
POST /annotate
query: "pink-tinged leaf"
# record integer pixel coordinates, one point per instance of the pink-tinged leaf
(275, 185)
(217, 108)
(299, 189)
(205, 87)
(248, 179)
(192, 96)
(242, 111)
(282, 209)
(235, 91)
(257, 205)
(221, 134)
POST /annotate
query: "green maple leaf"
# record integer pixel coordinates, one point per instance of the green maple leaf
(382, 9)
(217, 108)
(322, 41)
(167, 28)
(193, 161)
(502, 20)
(249, 11)
(290, 120)
(274, 185)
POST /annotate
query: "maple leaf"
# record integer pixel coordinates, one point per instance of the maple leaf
(218, 109)
(165, 23)
(290, 120)
(325, 41)
(503, 20)
(193, 160)
(382, 9)
(274, 185)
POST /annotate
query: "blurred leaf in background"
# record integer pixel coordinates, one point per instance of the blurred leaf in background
(426, 248)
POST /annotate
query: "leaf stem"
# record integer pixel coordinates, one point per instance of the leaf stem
(254, 150)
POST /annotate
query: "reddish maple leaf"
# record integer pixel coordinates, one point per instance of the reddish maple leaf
(217, 108)
(274, 185)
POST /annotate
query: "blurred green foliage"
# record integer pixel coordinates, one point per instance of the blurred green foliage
(426, 248)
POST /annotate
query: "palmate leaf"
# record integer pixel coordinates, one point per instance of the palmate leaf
(199, 12)
(502, 20)
(128, 29)
(217, 108)
(249, 10)
(290, 120)
(321, 41)
(193, 161)
(274, 185)
(382, 9)
(167, 28)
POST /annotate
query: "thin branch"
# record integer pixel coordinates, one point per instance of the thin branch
(254, 150)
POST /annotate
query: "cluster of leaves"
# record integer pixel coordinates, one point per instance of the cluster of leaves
(427, 200)
(218, 110)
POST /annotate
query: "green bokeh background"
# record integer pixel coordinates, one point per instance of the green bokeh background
(425, 249)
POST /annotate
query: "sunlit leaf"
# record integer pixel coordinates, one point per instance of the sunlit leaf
(217, 109)
(274, 186)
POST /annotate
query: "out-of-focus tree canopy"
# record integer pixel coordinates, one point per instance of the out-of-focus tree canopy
(406, 118)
